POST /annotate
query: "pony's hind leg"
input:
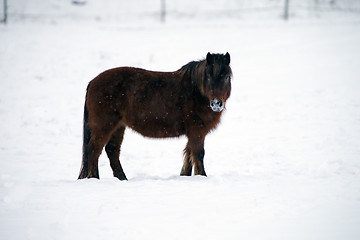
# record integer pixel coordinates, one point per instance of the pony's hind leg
(94, 152)
(100, 136)
(112, 149)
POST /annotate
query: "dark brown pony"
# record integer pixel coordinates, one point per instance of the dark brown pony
(157, 105)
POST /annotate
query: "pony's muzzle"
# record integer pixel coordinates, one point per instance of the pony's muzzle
(216, 105)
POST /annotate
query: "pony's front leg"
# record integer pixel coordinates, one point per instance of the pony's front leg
(197, 153)
(187, 166)
(198, 162)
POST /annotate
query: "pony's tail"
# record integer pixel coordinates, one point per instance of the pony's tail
(86, 140)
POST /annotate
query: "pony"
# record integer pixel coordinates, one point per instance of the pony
(189, 101)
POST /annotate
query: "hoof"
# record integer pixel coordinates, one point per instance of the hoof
(121, 177)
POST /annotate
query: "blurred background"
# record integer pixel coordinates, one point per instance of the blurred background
(171, 10)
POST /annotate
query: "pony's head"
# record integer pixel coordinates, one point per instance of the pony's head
(216, 85)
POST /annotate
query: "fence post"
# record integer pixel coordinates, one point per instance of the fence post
(286, 10)
(162, 11)
(5, 12)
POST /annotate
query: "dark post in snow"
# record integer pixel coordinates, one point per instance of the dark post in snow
(5, 12)
(162, 11)
(286, 10)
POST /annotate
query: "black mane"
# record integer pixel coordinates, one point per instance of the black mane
(195, 70)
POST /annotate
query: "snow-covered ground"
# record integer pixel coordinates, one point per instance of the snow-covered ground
(283, 164)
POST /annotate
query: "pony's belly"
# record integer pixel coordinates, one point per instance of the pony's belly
(153, 131)
(158, 128)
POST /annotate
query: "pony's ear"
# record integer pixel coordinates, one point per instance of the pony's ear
(227, 58)
(209, 58)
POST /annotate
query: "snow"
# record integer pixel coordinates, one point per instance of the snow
(283, 164)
